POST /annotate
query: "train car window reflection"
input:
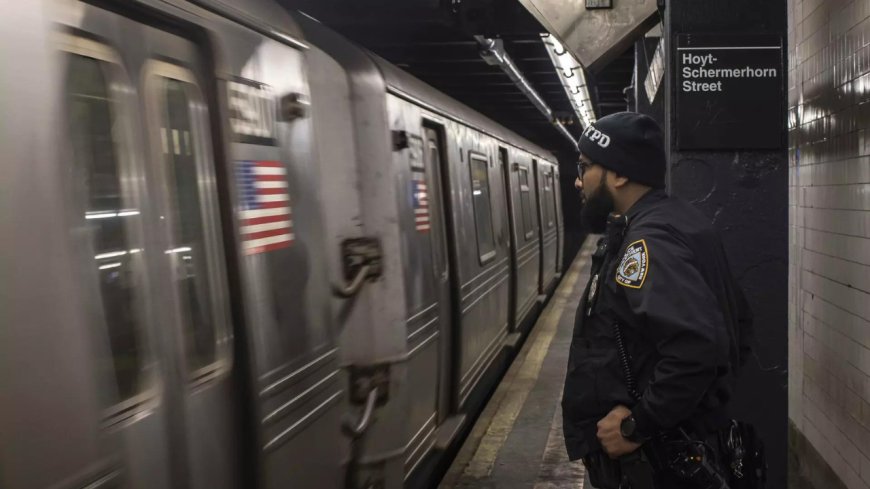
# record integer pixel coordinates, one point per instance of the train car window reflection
(188, 249)
(482, 209)
(108, 221)
(526, 203)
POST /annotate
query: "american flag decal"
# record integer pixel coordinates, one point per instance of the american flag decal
(265, 218)
(421, 200)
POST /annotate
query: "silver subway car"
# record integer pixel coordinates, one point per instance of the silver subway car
(239, 251)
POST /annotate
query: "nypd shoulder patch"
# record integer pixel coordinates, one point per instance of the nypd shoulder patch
(632, 270)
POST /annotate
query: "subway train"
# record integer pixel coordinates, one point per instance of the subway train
(240, 251)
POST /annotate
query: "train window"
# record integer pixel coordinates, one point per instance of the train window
(192, 246)
(555, 194)
(482, 209)
(548, 199)
(526, 203)
(111, 217)
(552, 199)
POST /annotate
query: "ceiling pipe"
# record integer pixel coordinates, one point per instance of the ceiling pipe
(492, 51)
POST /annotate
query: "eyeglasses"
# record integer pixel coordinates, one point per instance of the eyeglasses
(582, 167)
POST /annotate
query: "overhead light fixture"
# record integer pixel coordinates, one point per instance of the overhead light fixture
(573, 79)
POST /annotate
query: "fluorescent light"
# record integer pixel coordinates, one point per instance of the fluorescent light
(178, 250)
(573, 78)
(110, 265)
(108, 214)
(111, 254)
(100, 215)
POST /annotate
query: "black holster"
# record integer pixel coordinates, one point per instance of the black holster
(672, 460)
(637, 471)
(603, 472)
(632, 471)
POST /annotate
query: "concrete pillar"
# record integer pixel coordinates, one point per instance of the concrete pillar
(745, 193)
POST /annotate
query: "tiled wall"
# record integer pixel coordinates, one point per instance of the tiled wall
(829, 224)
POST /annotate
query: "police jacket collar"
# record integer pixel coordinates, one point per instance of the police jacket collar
(648, 199)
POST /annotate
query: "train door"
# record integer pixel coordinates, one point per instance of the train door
(548, 233)
(560, 224)
(512, 241)
(445, 266)
(432, 152)
(539, 197)
(195, 328)
(555, 215)
(74, 356)
(425, 277)
(526, 231)
(144, 171)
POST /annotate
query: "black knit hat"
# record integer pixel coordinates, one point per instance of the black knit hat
(628, 143)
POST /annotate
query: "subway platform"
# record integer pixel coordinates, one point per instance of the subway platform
(517, 441)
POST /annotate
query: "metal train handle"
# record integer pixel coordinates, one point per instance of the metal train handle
(353, 288)
(362, 260)
(369, 387)
(355, 430)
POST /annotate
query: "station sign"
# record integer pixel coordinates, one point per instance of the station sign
(729, 92)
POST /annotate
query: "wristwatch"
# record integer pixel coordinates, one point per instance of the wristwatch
(628, 429)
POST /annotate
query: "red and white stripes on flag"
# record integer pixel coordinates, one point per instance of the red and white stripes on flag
(421, 201)
(265, 218)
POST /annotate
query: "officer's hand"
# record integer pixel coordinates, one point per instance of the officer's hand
(611, 438)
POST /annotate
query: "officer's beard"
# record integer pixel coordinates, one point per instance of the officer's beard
(597, 207)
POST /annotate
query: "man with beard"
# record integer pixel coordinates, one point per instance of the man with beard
(662, 327)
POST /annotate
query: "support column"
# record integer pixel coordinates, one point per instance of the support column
(745, 193)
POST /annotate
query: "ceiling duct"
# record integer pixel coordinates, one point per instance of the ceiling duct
(492, 51)
(595, 36)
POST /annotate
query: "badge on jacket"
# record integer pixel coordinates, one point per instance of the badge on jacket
(590, 301)
(634, 265)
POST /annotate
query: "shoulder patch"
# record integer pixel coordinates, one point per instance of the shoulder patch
(632, 269)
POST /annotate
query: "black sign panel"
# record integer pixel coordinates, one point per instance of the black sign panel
(729, 92)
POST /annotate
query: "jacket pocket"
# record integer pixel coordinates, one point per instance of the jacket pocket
(594, 384)
(581, 401)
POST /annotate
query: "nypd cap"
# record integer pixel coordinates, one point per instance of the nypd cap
(628, 143)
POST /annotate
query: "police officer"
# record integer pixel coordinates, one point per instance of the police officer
(660, 331)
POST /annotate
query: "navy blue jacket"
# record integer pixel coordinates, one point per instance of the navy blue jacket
(664, 278)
